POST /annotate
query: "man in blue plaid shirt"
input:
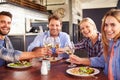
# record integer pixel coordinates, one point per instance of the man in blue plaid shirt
(7, 53)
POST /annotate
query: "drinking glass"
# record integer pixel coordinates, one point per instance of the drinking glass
(56, 44)
(48, 43)
(70, 49)
(52, 43)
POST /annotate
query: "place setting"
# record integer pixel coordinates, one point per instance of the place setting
(52, 44)
(83, 71)
(19, 65)
(79, 70)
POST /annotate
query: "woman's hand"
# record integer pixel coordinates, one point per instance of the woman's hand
(75, 59)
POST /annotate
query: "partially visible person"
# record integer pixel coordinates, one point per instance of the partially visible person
(55, 27)
(91, 42)
(110, 60)
(7, 53)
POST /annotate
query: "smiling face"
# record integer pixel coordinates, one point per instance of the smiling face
(87, 29)
(5, 23)
(54, 27)
(111, 27)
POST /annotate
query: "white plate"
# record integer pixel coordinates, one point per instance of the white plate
(53, 59)
(96, 71)
(20, 67)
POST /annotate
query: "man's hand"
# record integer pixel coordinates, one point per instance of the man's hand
(60, 50)
(40, 51)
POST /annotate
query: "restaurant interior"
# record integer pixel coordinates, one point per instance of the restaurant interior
(31, 15)
(30, 18)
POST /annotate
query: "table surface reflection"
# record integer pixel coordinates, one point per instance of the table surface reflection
(57, 72)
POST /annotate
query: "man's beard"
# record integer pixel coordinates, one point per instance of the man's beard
(1, 33)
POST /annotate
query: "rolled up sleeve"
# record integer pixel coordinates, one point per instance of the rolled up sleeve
(97, 61)
(9, 54)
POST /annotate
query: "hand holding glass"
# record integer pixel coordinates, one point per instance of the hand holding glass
(48, 43)
(70, 49)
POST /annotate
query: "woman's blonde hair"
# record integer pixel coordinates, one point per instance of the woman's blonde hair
(116, 14)
(87, 19)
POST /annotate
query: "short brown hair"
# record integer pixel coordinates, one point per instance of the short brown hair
(56, 17)
(6, 14)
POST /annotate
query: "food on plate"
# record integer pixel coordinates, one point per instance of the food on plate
(20, 64)
(82, 70)
(53, 59)
(87, 70)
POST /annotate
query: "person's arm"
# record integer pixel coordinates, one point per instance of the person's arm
(100, 50)
(97, 61)
(93, 61)
(81, 44)
(40, 52)
(15, 55)
(27, 55)
(77, 60)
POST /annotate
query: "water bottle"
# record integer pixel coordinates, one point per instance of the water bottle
(44, 67)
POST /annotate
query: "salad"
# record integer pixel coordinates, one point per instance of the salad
(20, 64)
(82, 70)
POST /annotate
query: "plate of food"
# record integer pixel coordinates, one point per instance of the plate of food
(53, 59)
(20, 64)
(83, 71)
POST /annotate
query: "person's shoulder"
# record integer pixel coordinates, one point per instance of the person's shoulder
(118, 42)
(85, 39)
(7, 38)
(119, 39)
(63, 33)
(99, 36)
(43, 33)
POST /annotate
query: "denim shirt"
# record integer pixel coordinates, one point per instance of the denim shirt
(2, 43)
(38, 41)
(7, 53)
(100, 61)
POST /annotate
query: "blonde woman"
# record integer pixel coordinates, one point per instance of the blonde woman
(92, 38)
(110, 60)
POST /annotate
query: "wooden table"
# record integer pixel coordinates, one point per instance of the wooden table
(57, 72)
